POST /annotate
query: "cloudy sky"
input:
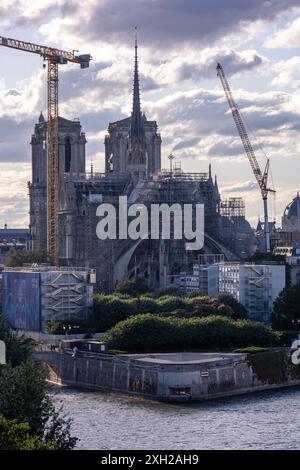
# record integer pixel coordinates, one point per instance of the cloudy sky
(180, 42)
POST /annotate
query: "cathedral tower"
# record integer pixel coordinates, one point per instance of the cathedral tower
(71, 162)
(133, 144)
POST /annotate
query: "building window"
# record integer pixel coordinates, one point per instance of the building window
(67, 155)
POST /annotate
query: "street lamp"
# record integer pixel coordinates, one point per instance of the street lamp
(67, 329)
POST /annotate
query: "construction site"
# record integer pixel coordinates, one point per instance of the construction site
(64, 197)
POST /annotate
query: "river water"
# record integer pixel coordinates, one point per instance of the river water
(269, 420)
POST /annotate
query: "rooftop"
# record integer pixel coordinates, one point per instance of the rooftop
(183, 358)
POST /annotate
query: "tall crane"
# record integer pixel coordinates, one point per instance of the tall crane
(261, 177)
(54, 58)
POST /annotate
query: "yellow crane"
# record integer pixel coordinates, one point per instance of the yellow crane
(54, 58)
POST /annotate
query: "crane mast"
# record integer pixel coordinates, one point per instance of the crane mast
(54, 58)
(261, 178)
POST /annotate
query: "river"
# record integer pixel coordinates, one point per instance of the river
(269, 420)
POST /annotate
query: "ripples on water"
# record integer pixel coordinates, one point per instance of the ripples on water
(268, 420)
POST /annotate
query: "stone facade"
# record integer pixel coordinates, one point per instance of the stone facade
(132, 169)
(118, 149)
(72, 162)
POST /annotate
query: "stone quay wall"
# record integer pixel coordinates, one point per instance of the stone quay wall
(155, 376)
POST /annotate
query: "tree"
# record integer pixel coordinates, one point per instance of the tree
(20, 257)
(23, 397)
(172, 289)
(286, 310)
(148, 332)
(16, 436)
(239, 311)
(134, 287)
(18, 348)
(205, 306)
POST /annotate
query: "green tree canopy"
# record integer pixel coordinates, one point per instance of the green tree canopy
(239, 311)
(18, 348)
(19, 257)
(16, 436)
(134, 287)
(148, 332)
(286, 311)
(24, 397)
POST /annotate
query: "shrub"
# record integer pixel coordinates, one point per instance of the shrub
(286, 338)
(170, 290)
(134, 287)
(16, 436)
(110, 309)
(148, 332)
(205, 306)
(250, 350)
(169, 303)
(239, 311)
(146, 304)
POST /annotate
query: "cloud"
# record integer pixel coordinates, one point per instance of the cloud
(197, 127)
(180, 43)
(14, 205)
(241, 187)
(287, 73)
(31, 12)
(184, 144)
(233, 61)
(286, 38)
(14, 140)
(167, 23)
(195, 66)
(25, 100)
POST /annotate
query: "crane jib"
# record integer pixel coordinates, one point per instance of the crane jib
(261, 178)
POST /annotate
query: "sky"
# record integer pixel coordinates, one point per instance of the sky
(180, 43)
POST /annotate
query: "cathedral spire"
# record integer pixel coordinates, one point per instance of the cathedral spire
(136, 129)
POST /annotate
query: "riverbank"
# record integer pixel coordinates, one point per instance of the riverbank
(174, 377)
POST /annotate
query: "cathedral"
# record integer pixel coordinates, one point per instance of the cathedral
(132, 169)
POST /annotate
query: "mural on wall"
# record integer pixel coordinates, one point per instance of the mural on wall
(21, 300)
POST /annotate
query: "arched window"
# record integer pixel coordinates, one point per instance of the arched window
(67, 155)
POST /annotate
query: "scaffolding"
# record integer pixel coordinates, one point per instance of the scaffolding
(233, 207)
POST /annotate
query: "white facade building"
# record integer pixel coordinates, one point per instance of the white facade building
(255, 286)
(204, 280)
(291, 255)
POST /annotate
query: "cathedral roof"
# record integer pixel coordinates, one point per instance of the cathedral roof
(293, 209)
